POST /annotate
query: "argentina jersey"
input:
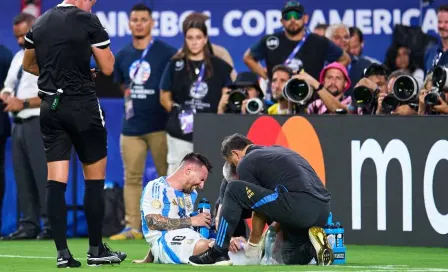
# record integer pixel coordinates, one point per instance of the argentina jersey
(159, 197)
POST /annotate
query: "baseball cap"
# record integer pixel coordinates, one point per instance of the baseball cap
(293, 5)
(336, 65)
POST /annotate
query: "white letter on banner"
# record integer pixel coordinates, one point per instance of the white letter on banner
(258, 17)
(430, 21)
(212, 31)
(381, 21)
(348, 19)
(397, 17)
(123, 24)
(155, 30)
(408, 15)
(273, 21)
(364, 21)
(438, 221)
(370, 149)
(168, 24)
(317, 18)
(109, 22)
(228, 23)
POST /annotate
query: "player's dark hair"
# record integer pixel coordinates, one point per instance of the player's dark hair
(376, 69)
(24, 17)
(443, 8)
(234, 142)
(141, 7)
(199, 159)
(355, 31)
(321, 26)
(184, 52)
(281, 67)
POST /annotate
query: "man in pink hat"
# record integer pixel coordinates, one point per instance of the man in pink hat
(335, 79)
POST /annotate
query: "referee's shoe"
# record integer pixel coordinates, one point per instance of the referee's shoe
(106, 256)
(324, 252)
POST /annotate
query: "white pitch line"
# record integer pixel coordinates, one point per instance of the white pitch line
(26, 257)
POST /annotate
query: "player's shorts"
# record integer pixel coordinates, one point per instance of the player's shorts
(175, 246)
(79, 122)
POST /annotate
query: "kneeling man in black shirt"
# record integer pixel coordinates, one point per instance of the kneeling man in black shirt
(278, 185)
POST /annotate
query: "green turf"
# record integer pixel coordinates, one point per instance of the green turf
(359, 258)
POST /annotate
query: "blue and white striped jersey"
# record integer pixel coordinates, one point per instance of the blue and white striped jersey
(159, 197)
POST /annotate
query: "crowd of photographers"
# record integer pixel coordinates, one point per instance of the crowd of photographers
(361, 85)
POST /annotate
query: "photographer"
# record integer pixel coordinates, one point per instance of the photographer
(365, 93)
(432, 99)
(280, 75)
(236, 96)
(336, 81)
(388, 102)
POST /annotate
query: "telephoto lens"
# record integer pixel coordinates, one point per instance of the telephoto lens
(236, 98)
(406, 88)
(432, 98)
(363, 96)
(390, 103)
(254, 106)
(439, 77)
(297, 91)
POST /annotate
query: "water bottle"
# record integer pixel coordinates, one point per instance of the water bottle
(204, 206)
(340, 249)
(269, 246)
(330, 231)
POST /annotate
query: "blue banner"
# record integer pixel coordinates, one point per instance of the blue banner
(248, 20)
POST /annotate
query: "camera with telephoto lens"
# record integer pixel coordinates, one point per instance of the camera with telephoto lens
(236, 98)
(254, 106)
(364, 97)
(404, 91)
(439, 83)
(297, 91)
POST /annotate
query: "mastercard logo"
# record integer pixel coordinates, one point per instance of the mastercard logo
(297, 134)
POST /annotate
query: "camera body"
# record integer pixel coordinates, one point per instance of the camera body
(236, 98)
(404, 91)
(439, 83)
(364, 97)
(297, 91)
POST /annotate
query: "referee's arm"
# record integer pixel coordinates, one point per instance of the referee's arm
(29, 62)
(99, 40)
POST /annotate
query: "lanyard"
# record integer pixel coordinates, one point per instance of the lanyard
(200, 77)
(298, 46)
(145, 52)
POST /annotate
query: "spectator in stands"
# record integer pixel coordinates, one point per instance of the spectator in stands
(438, 54)
(400, 57)
(340, 35)
(192, 82)
(20, 96)
(5, 125)
(138, 69)
(356, 44)
(320, 29)
(247, 82)
(405, 109)
(441, 108)
(215, 49)
(280, 75)
(335, 79)
(295, 47)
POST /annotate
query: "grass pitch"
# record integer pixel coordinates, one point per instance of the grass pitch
(40, 256)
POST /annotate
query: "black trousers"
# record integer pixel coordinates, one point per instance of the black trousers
(2, 176)
(295, 211)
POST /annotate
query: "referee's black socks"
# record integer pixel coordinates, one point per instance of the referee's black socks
(94, 211)
(57, 215)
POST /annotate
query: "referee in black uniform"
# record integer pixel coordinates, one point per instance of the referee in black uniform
(278, 185)
(58, 50)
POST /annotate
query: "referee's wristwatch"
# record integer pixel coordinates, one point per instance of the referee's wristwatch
(26, 104)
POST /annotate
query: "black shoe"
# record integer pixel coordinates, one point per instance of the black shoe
(210, 257)
(107, 256)
(45, 235)
(21, 234)
(67, 262)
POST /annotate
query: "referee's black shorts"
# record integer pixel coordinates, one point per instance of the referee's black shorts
(79, 122)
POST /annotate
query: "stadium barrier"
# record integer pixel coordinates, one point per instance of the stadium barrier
(387, 175)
